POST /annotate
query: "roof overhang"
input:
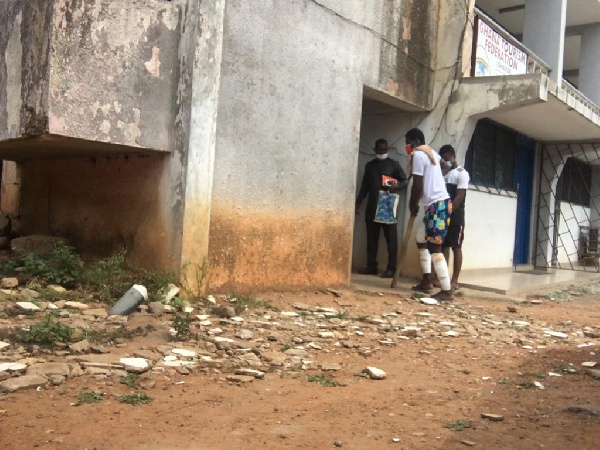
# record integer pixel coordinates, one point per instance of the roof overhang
(535, 106)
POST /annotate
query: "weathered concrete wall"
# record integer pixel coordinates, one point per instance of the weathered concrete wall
(101, 205)
(24, 67)
(288, 131)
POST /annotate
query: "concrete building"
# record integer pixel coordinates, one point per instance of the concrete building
(232, 133)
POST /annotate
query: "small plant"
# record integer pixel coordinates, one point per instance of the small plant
(194, 278)
(46, 331)
(64, 266)
(503, 380)
(459, 425)
(156, 281)
(324, 380)
(178, 304)
(89, 397)
(527, 384)
(130, 380)
(342, 315)
(136, 398)
(360, 318)
(108, 278)
(566, 368)
(243, 303)
(181, 324)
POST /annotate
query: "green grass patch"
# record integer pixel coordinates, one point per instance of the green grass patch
(89, 397)
(324, 380)
(459, 425)
(130, 380)
(45, 332)
(136, 398)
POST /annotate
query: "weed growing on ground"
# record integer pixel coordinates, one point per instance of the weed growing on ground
(110, 337)
(89, 397)
(342, 315)
(559, 296)
(108, 278)
(64, 266)
(565, 368)
(130, 380)
(194, 278)
(156, 281)
(45, 332)
(136, 398)
(527, 384)
(181, 324)
(242, 303)
(324, 380)
(503, 380)
(459, 425)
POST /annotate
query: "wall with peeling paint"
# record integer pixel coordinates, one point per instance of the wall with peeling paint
(288, 131)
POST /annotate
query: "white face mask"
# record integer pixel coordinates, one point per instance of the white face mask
(381, 157)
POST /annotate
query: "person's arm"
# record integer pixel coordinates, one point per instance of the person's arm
(415, 194)
(364, 189)
(401, 177)
(461, 189)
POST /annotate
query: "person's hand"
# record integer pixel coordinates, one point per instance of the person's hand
(414, 210)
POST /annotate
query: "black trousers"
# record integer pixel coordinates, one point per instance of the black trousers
(391, 238)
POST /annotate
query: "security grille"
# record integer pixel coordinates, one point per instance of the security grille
(568, 224)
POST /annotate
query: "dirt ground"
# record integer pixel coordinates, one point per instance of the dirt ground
(430, 383)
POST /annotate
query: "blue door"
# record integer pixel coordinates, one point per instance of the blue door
(524, 164)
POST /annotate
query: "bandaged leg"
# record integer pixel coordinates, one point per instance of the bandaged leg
(441, 269)
(425, 258)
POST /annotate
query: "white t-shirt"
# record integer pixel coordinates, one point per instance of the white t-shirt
(458, 177)
(434, 185)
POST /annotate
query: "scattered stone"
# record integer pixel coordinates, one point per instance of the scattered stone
(184, 352)
(451, 333)
(136, 365)
(169, 292)
(594, 373)
(469, 443)
(428, 301)
(511, 309)
(556, 334)
(536, 302)
(588, 364)
(4, 345)
(76, 305)
(326, 334)
(39, 244)
(9, 283)
(29, 293)
(240, 379)
(333, 292)
(28, 306)
(492, 417)
(57, 288)
(245, 335)
(156, 308)
(98, 349)
(250, 373)
(302, 306)
(375, 373)
(591, 334)
(178, 363)
(24, 382)
(592, 410)
(12, 367)
(80, 347)
(330, 367)
(539, 385)
(338, 444)
(50, 368)
(95, 312)
(56, 380)
(521, 323)
(147, 384)
(181, 370)
(289, 314)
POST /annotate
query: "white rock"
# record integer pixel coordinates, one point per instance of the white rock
(289, 314)
(375, 373)
(246, 335)
(211, 299)
(552, 374)
(215, 331)
(556, 334)
(206, 323)
(10, 283)
(28, 306)
(12, 367)
(588, 364)
(521, 323)
(359, 333)
(448, 324)
(429, 301)
(178, 363)
(188, 309)
(237, 319)
(3, 345)
(326, 334)
(76, 305)
(135, 364)
(539, 385)
(223, 339)
(202, 316)
(184, 352)
(51, 306)
(170, 358)
(169, 292)
(56, 288)
(451, 333)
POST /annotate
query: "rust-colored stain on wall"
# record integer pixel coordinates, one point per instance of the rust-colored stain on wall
(100, 205)
(281, 250)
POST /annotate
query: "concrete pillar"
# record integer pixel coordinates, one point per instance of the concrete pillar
(10, 192)
(544, 32)
(552, 166)
(589, 67)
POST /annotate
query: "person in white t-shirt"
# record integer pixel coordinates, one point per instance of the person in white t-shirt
(457, 183)
(429, 190)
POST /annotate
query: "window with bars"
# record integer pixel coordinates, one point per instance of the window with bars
(490, 158)
(575, 182)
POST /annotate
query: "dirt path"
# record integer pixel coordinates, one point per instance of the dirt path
(432, 381)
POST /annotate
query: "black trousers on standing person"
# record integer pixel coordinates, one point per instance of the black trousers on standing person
(391, 238)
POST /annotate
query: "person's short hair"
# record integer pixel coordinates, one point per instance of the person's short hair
(415, 134)
(447, 150)
(381, 141)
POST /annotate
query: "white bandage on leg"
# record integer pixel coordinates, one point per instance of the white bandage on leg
(441, 269)
(425, 258)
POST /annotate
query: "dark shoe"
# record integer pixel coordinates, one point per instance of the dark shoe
(443, 296)
(368, 271)
(426, 289)
(388, 274)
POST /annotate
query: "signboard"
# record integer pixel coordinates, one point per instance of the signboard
(494, 55)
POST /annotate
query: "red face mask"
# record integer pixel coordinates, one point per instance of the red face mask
(409, 149)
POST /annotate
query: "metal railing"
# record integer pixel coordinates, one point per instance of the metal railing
(572, 91)
(535, 64)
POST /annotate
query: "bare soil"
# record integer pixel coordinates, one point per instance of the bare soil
(430, 383)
